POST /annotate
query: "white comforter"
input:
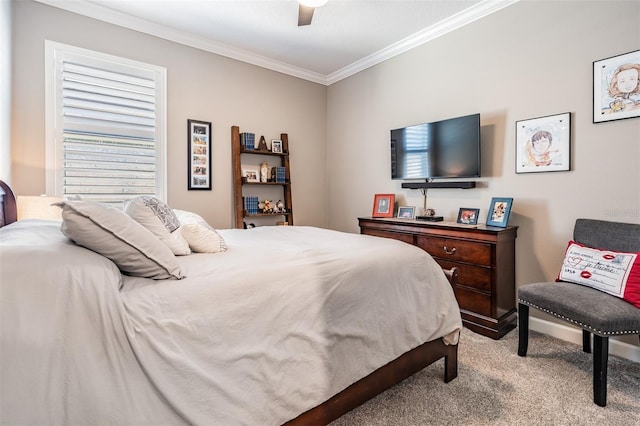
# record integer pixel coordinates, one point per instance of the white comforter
(284, 319)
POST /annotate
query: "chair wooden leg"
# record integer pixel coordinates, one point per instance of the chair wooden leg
(600, 360)
(523, 329)
(586, 341)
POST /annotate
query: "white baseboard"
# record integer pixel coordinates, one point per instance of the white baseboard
(574, 335)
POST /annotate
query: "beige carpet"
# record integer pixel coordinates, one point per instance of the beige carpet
(551, 386)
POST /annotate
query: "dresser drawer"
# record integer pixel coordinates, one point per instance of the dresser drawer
(478, 277)
(456, 250)
(473, 301)
(407, 238)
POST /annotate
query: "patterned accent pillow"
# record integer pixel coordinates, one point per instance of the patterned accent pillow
(163, 212)
(615, 273)
(159, 218)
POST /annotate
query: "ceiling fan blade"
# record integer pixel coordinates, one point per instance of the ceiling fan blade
(305, 14)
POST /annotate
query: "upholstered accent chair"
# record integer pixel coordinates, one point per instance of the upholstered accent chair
(597, 313)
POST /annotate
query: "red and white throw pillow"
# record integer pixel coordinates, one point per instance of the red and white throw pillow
(616, 273)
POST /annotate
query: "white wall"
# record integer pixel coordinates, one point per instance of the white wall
(200, 86)
(5, 91)
(528, 60)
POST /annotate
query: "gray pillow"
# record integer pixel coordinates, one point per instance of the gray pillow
(113, 234)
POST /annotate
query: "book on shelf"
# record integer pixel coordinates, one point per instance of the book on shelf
(251, 204)
(280, 174)
(248, 140)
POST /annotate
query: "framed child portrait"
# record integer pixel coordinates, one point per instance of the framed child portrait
(616, 87)
(383, 205)
(499, 211)
(543, 144)
(468, 216)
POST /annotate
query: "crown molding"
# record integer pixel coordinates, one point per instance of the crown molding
(111, 16)
(104, 14)
(452, 23)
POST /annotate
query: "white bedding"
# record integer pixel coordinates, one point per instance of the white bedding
(281, 321)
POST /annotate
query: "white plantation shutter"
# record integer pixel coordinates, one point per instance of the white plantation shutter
(108, 141)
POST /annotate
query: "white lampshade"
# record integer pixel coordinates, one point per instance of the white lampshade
(38, 207)
(312, 3)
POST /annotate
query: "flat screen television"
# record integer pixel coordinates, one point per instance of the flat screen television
(442, 149)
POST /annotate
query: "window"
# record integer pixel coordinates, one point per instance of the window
(105, 126)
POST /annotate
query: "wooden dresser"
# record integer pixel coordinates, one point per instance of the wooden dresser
(485, 256)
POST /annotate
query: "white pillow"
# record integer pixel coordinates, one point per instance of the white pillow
(159, 218)
(201, 236)
(111, 233)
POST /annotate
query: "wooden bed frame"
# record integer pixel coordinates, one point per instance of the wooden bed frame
(8, 206)
(358, 393)
(382, 379)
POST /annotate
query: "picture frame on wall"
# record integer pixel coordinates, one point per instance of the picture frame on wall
(383, 205)
(406, 212)
(616, 87)
(199, 154)
(543, 144)
(499, 211)
(468, 216)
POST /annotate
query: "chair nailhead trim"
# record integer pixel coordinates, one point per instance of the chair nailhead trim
(586, 326)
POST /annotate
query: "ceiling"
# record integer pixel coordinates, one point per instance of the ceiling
(345, 37)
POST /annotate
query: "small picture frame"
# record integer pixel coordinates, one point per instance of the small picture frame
(468, 216)
(543, 144)
(499, 211)
(276, 146)
(199, 154)
(251, 173)
(406, 212)
(616, 87)
(383, 205)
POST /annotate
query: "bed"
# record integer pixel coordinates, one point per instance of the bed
(292, 325)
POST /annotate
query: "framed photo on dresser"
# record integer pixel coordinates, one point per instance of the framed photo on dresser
(383, 205)
(499, 211)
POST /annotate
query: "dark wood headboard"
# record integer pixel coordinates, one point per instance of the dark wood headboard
(8, 207)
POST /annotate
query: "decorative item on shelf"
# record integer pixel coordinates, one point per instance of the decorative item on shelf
(264, 172)
(262, 145)
(249, 225)
(282, 223)
(383, 205)
(248, 140)
(499, 210)
(265, 206)
(468, 216)
(276, 146)
(279, 207)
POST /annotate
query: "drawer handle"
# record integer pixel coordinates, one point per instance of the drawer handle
(452, 251)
